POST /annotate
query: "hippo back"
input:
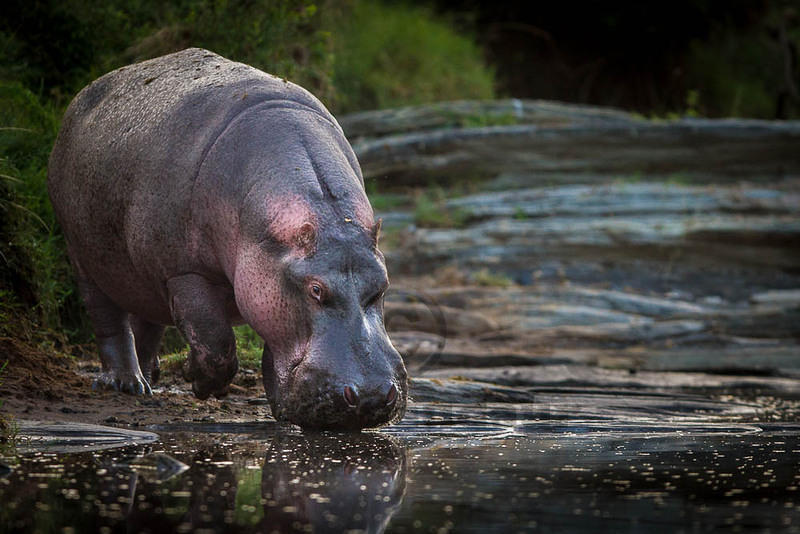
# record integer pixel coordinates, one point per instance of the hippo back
(124, 166)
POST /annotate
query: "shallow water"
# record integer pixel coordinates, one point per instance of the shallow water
(594, 465)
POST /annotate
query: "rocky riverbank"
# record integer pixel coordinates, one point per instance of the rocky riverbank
(563, 264)
(597, 250)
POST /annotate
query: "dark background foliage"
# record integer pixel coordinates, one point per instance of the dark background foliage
(730, 57)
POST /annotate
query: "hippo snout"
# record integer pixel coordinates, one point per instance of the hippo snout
(319, 398)
(370, 406)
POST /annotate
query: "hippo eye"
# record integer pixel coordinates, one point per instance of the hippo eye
(316, 292)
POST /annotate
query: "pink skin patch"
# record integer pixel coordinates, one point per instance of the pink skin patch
(262, 303)
(290, 219)
(363, 213)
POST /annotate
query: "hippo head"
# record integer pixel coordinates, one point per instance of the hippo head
(312, 287)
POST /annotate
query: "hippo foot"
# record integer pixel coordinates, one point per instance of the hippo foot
(204, 387)
(154, 374)
(131, 384)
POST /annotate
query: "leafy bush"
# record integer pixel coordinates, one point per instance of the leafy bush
(395, 55)
(747, 72)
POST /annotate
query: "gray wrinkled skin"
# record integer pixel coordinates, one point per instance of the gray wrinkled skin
(200, 192)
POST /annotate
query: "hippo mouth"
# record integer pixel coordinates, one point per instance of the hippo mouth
(307, 401)
(328, 410)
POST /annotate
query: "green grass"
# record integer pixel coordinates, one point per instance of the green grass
(486, 278)
(35, 277)
(249, 349)
(8, 429)
(431, 211)
(388, 201)
(488, 119)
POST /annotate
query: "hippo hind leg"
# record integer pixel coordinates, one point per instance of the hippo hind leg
(147, 336)
(115, 342)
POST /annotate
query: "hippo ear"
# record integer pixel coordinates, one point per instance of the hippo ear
(376, 231)
(306, 237)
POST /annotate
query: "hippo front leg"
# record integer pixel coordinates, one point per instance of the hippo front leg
(198, 310)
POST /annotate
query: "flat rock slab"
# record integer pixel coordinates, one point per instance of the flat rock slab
(722, 147)
(585, 376)
(625, 198)
(67, 437)
(380, 123)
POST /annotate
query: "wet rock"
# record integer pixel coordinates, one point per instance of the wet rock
(784, 298)
(64, 437)
(713, 147)
(493, 242)
(464, 391)
(67, 409)
(752, 357)
(534, 300)
(424, 317)
(741, 360)
(424, 360)
(585, 376)
(773, 321)
(641, 330)
(620, 198)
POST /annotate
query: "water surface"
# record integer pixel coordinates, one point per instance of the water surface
(462, 468)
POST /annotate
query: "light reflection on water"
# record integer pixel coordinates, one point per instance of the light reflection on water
(462, 476)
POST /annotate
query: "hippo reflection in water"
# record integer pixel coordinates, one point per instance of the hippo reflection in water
(204, 193)
(296, 467)
(311, 483)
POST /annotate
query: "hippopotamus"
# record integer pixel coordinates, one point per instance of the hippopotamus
(203, 193)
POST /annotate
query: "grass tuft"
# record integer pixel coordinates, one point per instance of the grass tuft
(431, 211)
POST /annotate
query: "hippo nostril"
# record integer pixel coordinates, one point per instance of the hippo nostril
(392, 395)
(351, 396)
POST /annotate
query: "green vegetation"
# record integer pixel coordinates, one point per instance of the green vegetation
(431, 210)
(488, 119)
(35, 277)
(737, 74)
(249, 346)
(486, 278)
(249, 510)
(249, 349)
(387, 201)
(353, 54)
(388, 55)
(7, 427)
